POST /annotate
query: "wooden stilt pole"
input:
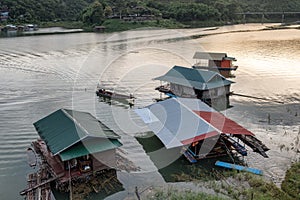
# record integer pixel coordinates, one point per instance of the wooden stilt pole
(137, 193)
(70, 180)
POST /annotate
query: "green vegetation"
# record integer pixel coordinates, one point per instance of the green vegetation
(176, 195)
(291, 183)
(237, 186)
(258, 189)
(158, 13)
(119, 25)
(93, 14)
(64, 24)
(47, 10)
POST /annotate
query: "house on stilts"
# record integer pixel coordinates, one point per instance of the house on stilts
(199, 130)
(211, 87)
(74, 147)
(218, 62)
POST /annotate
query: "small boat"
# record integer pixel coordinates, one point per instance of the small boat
(101, 92)
(31, 157)
(238, 167)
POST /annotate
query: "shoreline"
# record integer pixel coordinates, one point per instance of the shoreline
(63, 30)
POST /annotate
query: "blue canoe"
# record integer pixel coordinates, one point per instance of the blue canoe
(238, 167)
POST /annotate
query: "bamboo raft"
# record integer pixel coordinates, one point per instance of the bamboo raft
(38, 185)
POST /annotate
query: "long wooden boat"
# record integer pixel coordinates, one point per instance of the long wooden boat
(101, 92)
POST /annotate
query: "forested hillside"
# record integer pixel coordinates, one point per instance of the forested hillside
(45, 10)
(96, 12)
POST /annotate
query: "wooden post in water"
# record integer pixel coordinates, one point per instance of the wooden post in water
(70, 180)
(262, 18)
(137, 193)
(39, 188)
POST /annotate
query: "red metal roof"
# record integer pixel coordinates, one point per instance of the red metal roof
(199, 137)
(222, 123)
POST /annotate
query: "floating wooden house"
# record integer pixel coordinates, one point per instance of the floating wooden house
(209, 86)
(74, 146)
(198, 129)
(218, 62)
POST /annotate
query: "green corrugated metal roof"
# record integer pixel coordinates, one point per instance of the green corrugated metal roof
(196, 78)
(91, 124)
(64, 128)
(89, 147)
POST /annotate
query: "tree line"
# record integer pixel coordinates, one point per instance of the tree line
(96, 11)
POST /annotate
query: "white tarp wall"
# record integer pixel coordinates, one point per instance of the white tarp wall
(182, 91)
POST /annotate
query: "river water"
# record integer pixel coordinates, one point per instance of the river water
(41, 74)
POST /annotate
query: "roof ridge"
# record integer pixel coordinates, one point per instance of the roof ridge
(198, 115)
(74, 120)
(102, 125)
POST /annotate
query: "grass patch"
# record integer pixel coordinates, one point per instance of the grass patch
(291, 183)
(261, 189)
(200, 24)
(172, 194)
(113, 25)
(64, 24)
(255, 188)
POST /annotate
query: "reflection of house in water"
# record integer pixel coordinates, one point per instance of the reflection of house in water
(4, 14)
(75, 147)
(210, 87)
(218, 62)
